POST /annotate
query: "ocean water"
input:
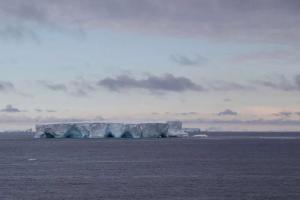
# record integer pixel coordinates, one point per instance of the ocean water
(223, 166)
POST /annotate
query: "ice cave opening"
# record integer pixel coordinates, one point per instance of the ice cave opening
(73, 132)
(48, 135)
(109, 135)
(126, 134)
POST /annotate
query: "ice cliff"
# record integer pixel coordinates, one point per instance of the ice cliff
(113, 130)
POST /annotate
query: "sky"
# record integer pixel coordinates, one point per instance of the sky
(214, 64)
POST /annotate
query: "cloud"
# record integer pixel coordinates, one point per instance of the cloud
(165, 83)
(284, 114)
(220, 85)
(32, 10)
(282, 83)
(49, 119)
(10, 109)
(255, 20)
(227, 112)
(54, 86)
(174, 113)
(50, 111)
(187, 113)
(6, 86)
(47, 110)
(18, 33)
(79, 87)
(152, 83)
(277, 122)
(23, 18)
(187, 61)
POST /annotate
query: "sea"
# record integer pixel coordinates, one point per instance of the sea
(222, 166)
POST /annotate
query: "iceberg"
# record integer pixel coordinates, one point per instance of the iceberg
(192, 131)
(110, 130)
(175, 129)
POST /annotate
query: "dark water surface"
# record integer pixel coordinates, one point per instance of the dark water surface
(218, 167)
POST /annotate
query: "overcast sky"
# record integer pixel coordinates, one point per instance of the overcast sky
(221, 65)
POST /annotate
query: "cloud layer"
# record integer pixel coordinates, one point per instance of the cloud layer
(6, 86)
(54, 86)
(10, 109)
(282, 83)
(256, 20)
(78, 87)
(228, 112)
(276, 122)
(187, 61)
(165, 83)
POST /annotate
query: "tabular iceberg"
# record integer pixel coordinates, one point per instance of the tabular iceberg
(113, 130)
